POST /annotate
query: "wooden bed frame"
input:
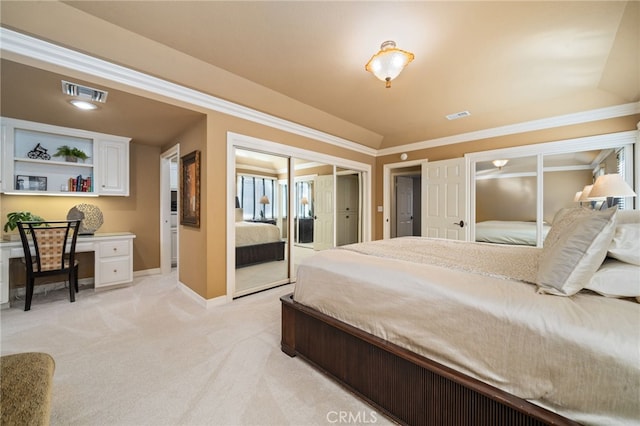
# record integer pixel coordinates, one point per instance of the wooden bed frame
(408, 388)
(259, 253)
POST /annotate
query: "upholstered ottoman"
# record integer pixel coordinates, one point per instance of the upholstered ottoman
(25, 388)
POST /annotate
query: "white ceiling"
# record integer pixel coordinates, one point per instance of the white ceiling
(505, 62)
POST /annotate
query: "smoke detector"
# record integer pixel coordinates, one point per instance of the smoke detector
(457, 115)
(84, 92)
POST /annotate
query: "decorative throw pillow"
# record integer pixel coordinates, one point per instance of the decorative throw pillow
(575, 251)
(626, 243)
(561, 221)
(616, 279)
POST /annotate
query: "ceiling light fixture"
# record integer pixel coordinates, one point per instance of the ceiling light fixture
(500, 163)
(388, 62)
(84, 105)
(84, 92)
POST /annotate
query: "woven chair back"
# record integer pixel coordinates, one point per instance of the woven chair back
(51, 245)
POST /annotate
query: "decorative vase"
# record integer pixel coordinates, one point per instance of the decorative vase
(71, 159)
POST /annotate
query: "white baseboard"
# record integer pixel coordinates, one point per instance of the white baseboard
(146, 272)
(205, 303)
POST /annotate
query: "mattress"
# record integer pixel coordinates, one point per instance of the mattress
(577, 356)
(509, 232)
(253, 233)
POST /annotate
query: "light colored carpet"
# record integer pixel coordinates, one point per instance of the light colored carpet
(148, 355)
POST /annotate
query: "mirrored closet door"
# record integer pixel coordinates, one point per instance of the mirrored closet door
(305, 201)
(516, 198)
(261, 221)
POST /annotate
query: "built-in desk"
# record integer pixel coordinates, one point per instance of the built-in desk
(113, 253)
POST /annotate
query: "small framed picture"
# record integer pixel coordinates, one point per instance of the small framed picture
(190, 189)
(31, 183)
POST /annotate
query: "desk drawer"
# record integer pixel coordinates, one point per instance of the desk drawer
(114, 248)
(115, 271)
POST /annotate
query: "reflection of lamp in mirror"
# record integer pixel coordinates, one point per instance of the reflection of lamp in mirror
(610, 186)
(576, 198)
(304, 201)
(500, 163)
(585, 196)
(263, 200)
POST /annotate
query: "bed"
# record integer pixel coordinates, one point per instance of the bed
(257, 242)
(448, 333)
(509, 232)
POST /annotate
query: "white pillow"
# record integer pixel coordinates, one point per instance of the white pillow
(616, 279)
(239, 215)
(575, 250)
(626, 243)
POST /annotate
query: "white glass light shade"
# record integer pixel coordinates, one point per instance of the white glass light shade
(388, 62)
(500, 163)
(611, 185)
(264, 200)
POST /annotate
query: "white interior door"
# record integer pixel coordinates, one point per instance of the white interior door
(404, 206)
(323, 212)
(444, 187)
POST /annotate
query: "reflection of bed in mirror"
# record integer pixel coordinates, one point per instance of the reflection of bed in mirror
(257, 242)
(509, 232)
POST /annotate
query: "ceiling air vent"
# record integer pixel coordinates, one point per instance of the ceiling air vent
(84, 92)
(457, 115)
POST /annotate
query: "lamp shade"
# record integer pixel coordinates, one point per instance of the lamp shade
(304, 201)
(264, 200)
(388, 62)
(611, 185)
(586, 195)
(576, 198)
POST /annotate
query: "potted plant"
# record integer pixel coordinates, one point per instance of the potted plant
(70, 154)
(14, 217)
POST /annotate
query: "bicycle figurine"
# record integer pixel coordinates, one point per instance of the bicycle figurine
(39, 153)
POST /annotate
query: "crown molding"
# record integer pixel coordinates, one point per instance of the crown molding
(31, 47)
(527, 126)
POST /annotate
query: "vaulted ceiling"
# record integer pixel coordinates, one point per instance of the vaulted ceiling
(504, 62)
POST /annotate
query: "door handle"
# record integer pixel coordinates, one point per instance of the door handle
(460, 224)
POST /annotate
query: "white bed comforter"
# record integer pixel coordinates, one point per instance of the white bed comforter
(509, 232)
(578, 356)
(251, 233)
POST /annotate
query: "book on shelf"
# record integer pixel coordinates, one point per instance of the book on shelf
(80, 184)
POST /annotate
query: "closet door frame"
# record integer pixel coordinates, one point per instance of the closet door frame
(239, 141)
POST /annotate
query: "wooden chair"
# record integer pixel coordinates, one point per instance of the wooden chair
(53, 253)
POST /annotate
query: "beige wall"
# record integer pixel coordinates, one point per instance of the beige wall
(515, 198)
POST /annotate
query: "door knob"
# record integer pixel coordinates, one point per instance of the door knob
(460, 224)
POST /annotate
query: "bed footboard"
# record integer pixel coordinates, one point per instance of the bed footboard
(407, 387)
(259, 253)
